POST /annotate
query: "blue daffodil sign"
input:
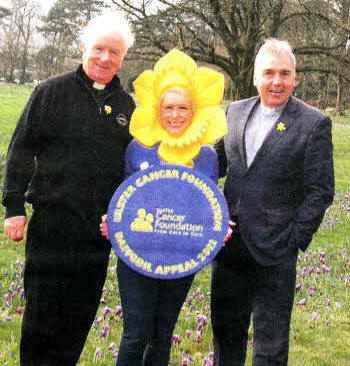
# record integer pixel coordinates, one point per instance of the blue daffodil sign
(167, 222)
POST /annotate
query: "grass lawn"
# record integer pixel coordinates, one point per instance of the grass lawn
(320, 328)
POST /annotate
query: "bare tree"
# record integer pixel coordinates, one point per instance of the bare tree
(219, 32)
(228, 33)
(26, 19)
(61, 28)
(319, 36)
(17, 30)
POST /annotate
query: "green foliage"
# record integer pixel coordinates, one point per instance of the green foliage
(320, 331)
(342, 119)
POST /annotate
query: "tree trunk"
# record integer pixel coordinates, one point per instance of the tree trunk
(341, 96)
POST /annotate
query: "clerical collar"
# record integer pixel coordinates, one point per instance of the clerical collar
(270, 111)
(98, 86)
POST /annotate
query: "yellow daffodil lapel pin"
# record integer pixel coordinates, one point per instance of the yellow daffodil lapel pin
(281, 127)
(108, 109)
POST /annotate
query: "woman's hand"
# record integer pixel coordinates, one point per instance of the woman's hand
(231, 225)
(103, 226)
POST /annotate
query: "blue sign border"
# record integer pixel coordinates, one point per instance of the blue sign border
(168, 221)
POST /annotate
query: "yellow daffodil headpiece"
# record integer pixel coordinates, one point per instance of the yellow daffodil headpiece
(177, 71)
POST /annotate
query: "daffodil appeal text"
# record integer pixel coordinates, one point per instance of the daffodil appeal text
(166, 221)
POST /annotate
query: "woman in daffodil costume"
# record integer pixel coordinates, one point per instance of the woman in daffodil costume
(177, 117)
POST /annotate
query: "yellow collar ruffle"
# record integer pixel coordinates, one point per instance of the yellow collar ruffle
(176, 70)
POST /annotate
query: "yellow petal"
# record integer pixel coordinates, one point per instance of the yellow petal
(143, 86)
(178, 155)
(174, 70)
(209, 87)
(172, 80)
(142, 127)
(216, 127)
(175, 59)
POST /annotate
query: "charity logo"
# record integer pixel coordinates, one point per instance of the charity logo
(143, 221)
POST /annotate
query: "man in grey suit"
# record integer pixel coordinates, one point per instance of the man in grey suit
(277, 156)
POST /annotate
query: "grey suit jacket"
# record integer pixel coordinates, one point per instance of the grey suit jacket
(280, 200)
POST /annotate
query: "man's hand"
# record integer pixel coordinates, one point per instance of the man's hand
(103, 226)
(229, 231)
(14, 227)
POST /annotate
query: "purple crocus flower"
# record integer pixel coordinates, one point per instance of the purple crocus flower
(6, 297)
(118, 311)
(188, 333)
(207, 362)
(106, 311)
(202, 319)
(298, 287)
(198, 335)
(104, 331)
(8, 319)
(301, 302)
(98, 352)
(314, 315)
(18, 311)
(311, 291)
(176, 339)
(325, 269)
(98, 320)
(184, 362)
(111, 347)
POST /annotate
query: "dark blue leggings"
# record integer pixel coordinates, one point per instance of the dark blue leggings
(150, 311)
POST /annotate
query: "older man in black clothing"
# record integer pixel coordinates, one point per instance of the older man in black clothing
(66, 158)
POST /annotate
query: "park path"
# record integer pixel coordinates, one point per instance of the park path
(341, 124)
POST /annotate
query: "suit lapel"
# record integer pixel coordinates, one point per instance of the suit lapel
(274, 136)
(242, 127)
